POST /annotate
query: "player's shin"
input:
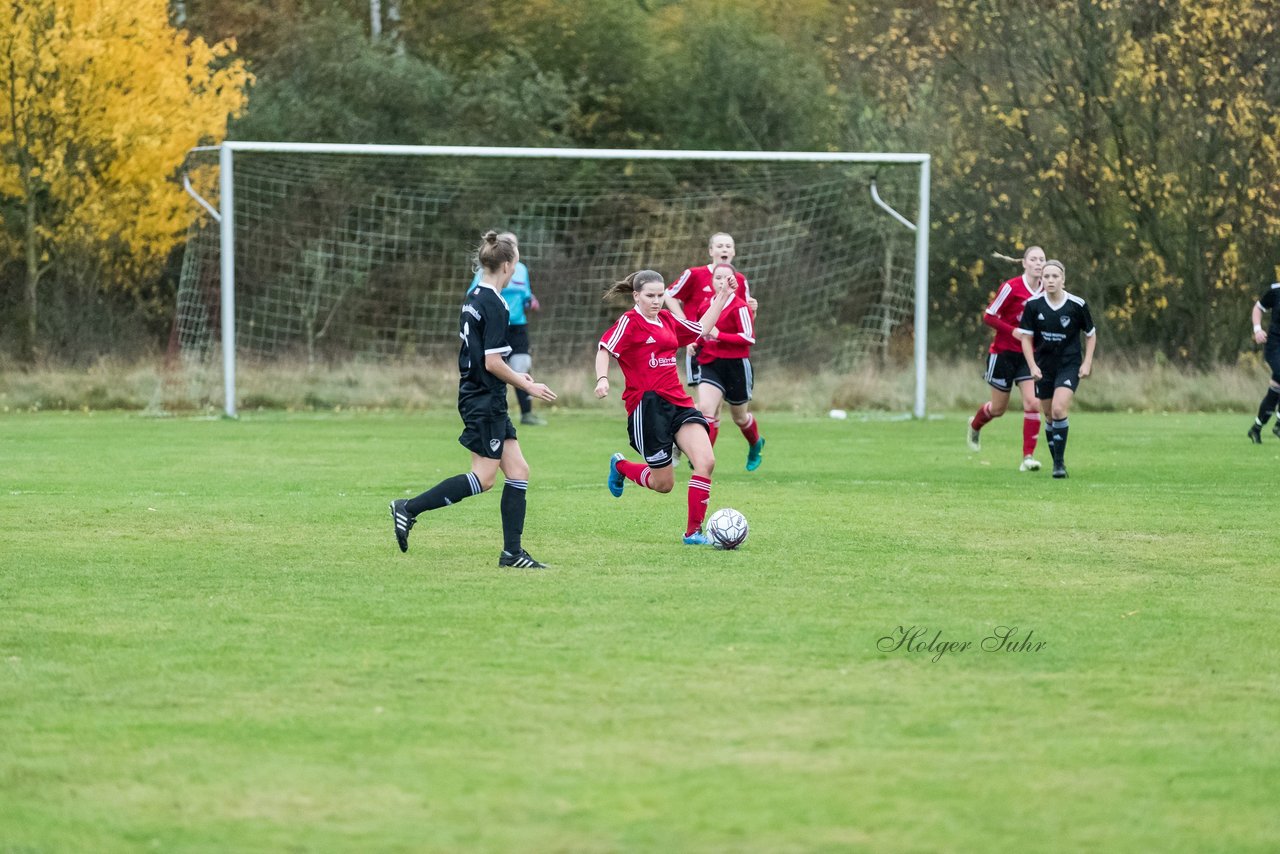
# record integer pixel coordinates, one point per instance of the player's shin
(448, 491)
(699, 495)
(513, 510)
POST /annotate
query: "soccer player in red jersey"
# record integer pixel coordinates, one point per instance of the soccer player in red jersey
(724, 369)
(660, 414)
(1006, 366)
(690, 294)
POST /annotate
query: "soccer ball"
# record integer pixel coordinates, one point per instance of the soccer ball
(727, 528)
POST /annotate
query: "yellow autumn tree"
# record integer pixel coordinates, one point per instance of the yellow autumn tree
(101, 101)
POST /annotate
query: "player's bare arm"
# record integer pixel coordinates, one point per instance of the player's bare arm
(1030, 355)
(494, 364)
(602, 373)
(1086, 364)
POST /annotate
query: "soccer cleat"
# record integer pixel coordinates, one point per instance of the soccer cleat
(755, 455)
(975, 442)
(616, 480)
(1275, 428)
(1059, 471)
(1255, 433)
(1029, 463)
(402, 521)
(532, 420)
(697, 538)
(520, 560)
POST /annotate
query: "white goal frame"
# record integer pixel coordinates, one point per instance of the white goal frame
(224, 214)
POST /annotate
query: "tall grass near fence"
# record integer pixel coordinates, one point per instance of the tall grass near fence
(1119, 384)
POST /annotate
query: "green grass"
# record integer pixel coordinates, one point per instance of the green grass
(210, 642)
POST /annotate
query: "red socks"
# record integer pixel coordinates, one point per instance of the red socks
(1030, 431)
(982, 416)
(635, 472)
(699, 495)
(751, 430)
(713, 427)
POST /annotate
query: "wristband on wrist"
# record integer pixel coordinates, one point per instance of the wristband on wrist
(1257, 328)
(606, 379)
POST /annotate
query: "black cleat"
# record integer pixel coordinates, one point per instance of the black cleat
(520, 560)
(403, 522)
(1255, 433)
(1275, 428)
(1059, 471)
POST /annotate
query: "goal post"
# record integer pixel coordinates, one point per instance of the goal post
(332, 251)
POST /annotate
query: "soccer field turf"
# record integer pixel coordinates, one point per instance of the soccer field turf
(210, 641)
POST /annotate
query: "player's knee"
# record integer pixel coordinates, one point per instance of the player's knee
(486, 480)
(520, 472)
(1059, 412)
(998, 409)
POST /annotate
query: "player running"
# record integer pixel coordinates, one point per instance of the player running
(1006, 366)
(1051, 326)
(518, 295)
(1269, 337)
(482, 402)
(724, 369)
(660, 414)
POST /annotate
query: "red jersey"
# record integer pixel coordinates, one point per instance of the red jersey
(735, 333)
(646, 352)
(695, 290)
(1005, 313)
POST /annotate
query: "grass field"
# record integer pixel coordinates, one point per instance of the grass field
(211, 643)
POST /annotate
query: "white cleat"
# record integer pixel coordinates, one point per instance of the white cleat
(1029, 464)
(975, 442)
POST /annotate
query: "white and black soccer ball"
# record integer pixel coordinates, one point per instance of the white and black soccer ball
(727, 528)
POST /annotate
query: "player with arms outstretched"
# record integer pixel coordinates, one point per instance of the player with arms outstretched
(724, 369)
(1051, 326)
(1006, 366)
(482, 402)
(660, 414)
(690, 294)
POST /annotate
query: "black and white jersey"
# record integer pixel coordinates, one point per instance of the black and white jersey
(1056, 331)
(482, 327)
(1270, 297)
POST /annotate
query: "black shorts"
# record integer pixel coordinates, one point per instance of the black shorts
(1006, 369)
(653, 424)
(1271, 352)
(732, 376)
(1066, 375)
(692, 370)
(485, 424)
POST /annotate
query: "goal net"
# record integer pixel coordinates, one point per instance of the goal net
(347, 253)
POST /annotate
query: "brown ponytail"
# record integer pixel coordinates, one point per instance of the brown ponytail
(633, 283)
